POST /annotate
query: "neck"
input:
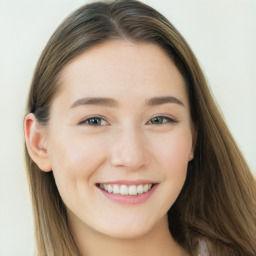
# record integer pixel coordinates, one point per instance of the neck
(156, 242)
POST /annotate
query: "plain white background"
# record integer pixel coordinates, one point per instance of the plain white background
(222, 34)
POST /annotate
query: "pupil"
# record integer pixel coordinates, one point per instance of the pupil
(95, 121)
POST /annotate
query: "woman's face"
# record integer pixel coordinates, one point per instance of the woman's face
(120, 122)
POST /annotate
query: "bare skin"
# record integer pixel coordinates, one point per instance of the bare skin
(157, 242)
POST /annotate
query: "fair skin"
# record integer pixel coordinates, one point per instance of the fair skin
(121, 117)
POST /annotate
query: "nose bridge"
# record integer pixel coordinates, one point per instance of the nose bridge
(129, 149)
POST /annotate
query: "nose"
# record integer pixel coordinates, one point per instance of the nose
(129, 149)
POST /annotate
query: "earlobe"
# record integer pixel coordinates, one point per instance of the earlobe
(36, 143)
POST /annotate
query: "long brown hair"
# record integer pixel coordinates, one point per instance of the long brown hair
(217, 202)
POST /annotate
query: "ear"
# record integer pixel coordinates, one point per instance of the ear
(35, 135)
(194, 139)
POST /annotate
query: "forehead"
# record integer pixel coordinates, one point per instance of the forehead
(120, 67)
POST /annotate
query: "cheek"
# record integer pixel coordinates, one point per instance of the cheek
(175, 148)
(173, 153)
(171, 156)
(74, 158)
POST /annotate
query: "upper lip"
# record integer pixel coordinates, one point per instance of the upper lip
(128, 182)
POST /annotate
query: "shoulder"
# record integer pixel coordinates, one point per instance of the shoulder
(202, 248)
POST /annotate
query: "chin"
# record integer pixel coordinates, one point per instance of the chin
(127, 233)
(129, 230)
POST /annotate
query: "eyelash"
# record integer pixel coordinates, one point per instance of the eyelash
(165, 119)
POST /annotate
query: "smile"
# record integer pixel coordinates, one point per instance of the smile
(121, 189)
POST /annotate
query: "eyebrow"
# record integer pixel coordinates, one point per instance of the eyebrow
(162, 100)
(109, 102)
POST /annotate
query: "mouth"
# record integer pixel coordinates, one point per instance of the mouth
(126, 190)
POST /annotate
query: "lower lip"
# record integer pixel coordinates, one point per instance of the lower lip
(126, 199)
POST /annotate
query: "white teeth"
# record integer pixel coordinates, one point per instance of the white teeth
(140, 189)
(132, 190)
(110, 189)
(115, 189)
(145, 188)
(124, 190)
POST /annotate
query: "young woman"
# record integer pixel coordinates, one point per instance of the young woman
(127, 153)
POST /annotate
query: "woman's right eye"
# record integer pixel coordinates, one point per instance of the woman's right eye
(94, 121)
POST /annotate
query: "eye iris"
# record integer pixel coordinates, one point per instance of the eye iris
(94, 121)
(157, 120)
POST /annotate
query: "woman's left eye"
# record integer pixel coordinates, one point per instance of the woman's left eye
(94, 121)
(161, 120)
